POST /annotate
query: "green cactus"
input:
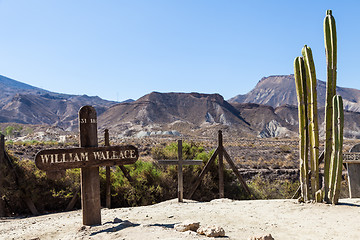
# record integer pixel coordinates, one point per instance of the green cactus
(331, 62)
(313, 118)
(336, 155)
(305, 79)
(301, 89)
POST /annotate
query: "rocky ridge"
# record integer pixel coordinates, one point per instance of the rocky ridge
(269, 110)
(280, 90)
(23, 103)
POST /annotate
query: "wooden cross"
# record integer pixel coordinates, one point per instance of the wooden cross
(88, 157)
(180, 162)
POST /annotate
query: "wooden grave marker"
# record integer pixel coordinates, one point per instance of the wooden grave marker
(88, 157)
(352, 161)
(180, 162)
(221, 152)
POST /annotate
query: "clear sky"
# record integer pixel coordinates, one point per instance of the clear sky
(120, 49)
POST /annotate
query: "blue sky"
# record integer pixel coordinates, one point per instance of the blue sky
(119, 49)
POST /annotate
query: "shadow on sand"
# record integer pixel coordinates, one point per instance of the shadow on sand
(122, 225)
(348, 204)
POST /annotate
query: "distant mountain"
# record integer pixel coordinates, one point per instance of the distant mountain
(283, 121)
(23, 103)
(191, 113)
(186, 114)
(196, 114)
(279, 90)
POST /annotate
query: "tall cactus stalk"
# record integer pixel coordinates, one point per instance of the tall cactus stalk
(305, 80)
(331, 62)
(301, 89)
(313, 118)
(336, 155)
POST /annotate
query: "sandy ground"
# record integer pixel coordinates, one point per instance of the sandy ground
(283, 219)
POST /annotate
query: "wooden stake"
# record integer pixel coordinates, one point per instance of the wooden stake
(90, 180)
(203, 172)
(221, 166)
(237, 173)
(180, 173)
(220, 150)
(107, 168)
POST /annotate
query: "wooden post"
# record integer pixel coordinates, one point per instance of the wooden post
(107, 168)
(88, 157)
(180, 173)
(237, 173)
(221, 166)
(221, 152)
(2, 171)
(90, 180)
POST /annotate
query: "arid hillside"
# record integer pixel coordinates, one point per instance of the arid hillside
(280, 90)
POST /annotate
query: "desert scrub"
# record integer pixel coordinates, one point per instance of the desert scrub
(169, 151)
(151, 183)
(285, 149)
(25, 179)
(146, 187)
(272, 189)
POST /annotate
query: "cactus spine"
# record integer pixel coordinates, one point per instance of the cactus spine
(301, 89)
(313, 118)
(331, 62)
(336, 155)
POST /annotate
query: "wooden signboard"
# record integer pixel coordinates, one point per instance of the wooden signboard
(59, 159)
(352, 160)
(351, 157)
(88, 157)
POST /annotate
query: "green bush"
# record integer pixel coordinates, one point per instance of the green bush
(170, 151)
(47, 194)
(151, 183)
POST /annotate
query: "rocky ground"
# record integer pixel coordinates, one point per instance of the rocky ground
(283, 219)
(270, 158)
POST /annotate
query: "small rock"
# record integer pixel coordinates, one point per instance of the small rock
(117, 220)
(211, 231)
(265, 237)
(83, 228)
(186, 226)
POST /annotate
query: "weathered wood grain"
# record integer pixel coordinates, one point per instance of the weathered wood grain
(57, 159)
(353, 168)
(90, 180)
